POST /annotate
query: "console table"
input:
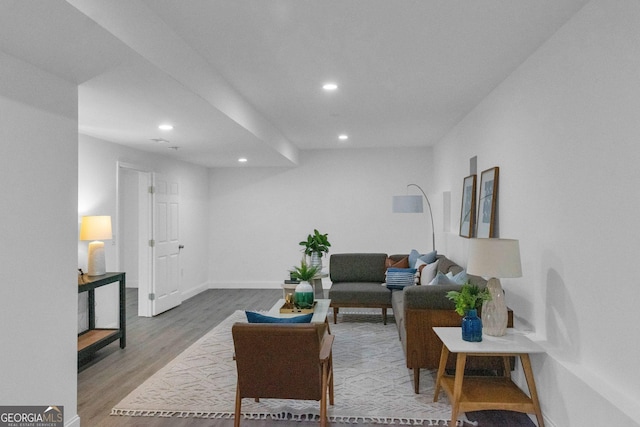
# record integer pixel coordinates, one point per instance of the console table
(476, 393)
(94, 338)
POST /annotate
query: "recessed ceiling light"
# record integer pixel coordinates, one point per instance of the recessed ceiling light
(165, 127)
(242, 160)
(330, 86)
(343, 137)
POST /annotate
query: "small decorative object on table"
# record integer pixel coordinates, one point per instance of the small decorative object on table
(304, 295)
(467, 301)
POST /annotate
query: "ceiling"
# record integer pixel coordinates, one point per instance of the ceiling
(243, 78)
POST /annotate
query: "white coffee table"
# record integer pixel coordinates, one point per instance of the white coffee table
(319, 311)
(476, 393)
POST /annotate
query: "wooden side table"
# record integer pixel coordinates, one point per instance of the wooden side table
(476, 393)
(93, 339)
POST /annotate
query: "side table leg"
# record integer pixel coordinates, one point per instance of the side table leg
(461, 361)
(528, 373)
(444, 355)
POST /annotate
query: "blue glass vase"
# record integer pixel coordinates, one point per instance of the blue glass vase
(472, 326)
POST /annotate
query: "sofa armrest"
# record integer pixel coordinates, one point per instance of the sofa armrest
(429, 297)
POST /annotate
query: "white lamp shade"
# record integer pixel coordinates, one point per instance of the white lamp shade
(499, 258)
(407, 204)
(95, 228)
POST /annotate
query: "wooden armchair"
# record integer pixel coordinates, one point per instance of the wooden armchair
(283, 361)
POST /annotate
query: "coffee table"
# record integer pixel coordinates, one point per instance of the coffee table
(476, 393)
(319, 311)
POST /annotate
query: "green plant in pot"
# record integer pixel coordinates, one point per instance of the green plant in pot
(315, 246)
(303, 296)
(468, 300)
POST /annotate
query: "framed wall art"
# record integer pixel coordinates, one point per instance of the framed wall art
(487, 203)
(468, 210)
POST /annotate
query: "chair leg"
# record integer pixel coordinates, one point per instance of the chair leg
(416, 380)
(331, 401)
(384, 316)
(323, 399)
(335, 315)
(236, 416)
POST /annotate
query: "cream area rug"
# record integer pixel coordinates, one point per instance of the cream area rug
(372, 383)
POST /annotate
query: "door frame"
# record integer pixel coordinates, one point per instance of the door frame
(145, 231)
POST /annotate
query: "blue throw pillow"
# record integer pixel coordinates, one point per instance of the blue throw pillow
(450, 279)
(398, 278)
(460, 278)
(253, 317)
(427, 258)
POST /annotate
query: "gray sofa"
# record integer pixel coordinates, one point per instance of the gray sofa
(357, 282)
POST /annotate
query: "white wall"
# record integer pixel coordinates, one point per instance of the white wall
(258, 216)
(38, 295)
(564, 130)
(97, 196)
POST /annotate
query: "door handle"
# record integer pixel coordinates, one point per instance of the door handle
(180, 247)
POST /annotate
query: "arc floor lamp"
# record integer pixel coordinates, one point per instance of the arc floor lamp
(413, 204)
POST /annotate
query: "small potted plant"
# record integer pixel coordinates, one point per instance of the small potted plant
(315, 246)
(468, 300)
(303, 296)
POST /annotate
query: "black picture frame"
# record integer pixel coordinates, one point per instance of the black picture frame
(487, 203)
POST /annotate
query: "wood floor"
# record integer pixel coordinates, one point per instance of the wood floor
(153, 342)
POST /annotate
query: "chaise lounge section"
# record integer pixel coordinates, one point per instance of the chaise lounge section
(356, 281)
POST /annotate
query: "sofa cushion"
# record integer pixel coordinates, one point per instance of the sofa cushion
(357, 267)
(365, 293)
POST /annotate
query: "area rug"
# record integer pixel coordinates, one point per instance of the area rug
(372, 383)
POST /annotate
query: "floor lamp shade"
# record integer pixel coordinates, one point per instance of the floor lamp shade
(495, 259)
(95, 229)
(413, 204)
(407, 204)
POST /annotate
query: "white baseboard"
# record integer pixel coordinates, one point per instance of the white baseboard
(245, 285)
(255, 285)
(188, 293)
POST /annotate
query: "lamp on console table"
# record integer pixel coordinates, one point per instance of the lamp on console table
(413, 204)
(496, 259)
(96, 229)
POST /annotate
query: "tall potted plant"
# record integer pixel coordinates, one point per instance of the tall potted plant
(468, 300)
(315, 246)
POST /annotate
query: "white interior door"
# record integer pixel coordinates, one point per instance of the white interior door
(166, 259)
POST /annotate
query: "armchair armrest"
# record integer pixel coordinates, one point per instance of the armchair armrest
(325, 348)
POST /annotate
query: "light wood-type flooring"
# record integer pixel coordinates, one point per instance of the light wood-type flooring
(153, 342)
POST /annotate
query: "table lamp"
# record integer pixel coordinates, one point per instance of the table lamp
(96, 229)
(413, 204)
(495, 259)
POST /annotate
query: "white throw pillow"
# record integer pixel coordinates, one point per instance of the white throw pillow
(428, 273)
